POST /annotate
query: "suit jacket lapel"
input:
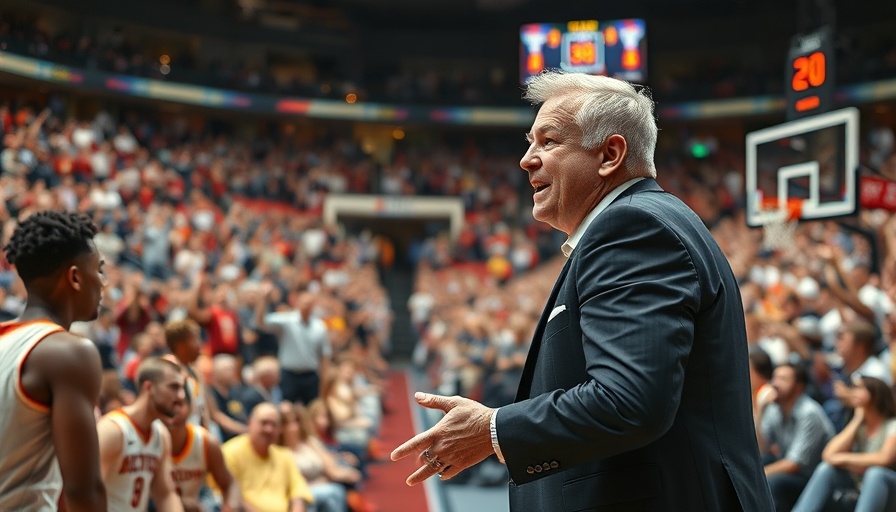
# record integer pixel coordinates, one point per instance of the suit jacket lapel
(529, 370)
(646, 185)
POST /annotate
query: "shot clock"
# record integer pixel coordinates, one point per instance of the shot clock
(809, 74)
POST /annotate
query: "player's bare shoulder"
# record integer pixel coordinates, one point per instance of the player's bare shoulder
(61, 357)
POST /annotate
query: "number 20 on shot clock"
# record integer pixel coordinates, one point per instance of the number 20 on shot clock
(809, 74)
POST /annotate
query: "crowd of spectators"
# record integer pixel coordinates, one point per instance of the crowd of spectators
(705, 77)
(176, 252)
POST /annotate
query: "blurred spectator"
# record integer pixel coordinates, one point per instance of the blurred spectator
(351, 428)
(267, 475)
(792, 431)
(133, 312)
(324, 475)
(859, 467)
(761, 371)
(141, 348)
(227, 391)
(855, 347)
(211, 307)
(304, 346)
(105, 333)
(264, 384)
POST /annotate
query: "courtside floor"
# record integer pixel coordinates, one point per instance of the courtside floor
(445, 497)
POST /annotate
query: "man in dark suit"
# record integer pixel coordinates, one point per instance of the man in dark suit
(636, 392)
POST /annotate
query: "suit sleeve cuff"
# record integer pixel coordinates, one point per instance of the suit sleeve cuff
(493, 428)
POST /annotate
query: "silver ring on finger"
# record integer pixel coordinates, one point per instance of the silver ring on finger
(431, 460)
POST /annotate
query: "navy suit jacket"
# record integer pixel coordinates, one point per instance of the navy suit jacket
(636, 392)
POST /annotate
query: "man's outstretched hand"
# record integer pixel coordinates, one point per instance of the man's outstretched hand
(459, 440)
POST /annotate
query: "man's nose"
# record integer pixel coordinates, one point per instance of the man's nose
(530, 161)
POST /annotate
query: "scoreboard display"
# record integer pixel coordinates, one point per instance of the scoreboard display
(616, 48)
(809, 74)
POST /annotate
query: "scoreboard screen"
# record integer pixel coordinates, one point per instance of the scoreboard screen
(616, 48)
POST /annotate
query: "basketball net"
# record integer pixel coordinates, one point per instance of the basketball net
(778, 230)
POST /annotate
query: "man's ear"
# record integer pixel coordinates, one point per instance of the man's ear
(615, 148)
(74, 277)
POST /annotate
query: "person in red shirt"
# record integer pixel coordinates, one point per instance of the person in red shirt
(132, 314)
(219, 320)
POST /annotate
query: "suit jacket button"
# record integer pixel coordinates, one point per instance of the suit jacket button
(546, 466)
(538, 469)
(554, 464)
(530, 470)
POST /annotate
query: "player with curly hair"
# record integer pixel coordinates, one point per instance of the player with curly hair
(50, 378)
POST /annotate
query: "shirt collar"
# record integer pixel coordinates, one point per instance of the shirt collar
(577, 235)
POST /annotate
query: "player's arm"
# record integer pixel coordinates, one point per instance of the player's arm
(163, 491)
(73, 371)
(221, 475)
(111, 443)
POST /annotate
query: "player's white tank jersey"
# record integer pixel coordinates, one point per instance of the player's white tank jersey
(191, 464)
(29, 473)
(197, 396)
(129, 480)
(195, 388)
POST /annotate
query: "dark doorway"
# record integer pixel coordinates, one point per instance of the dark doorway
(406, 236)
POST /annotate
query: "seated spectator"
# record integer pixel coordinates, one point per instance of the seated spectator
(264, 385)
(792, 431)
(508, 367)
(855, 345)
(761, 371)
(351, 427)
(326, 477)
(859, 462)
(267, 475)
(227, 391)
(323, 430)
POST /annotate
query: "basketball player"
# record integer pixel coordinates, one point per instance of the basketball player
(184, 342)
(135, 447)
(50, 378)
(194, 454)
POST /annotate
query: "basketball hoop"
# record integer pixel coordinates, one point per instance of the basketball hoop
(778, 230)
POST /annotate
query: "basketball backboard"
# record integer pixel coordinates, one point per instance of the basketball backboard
(807, 166)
